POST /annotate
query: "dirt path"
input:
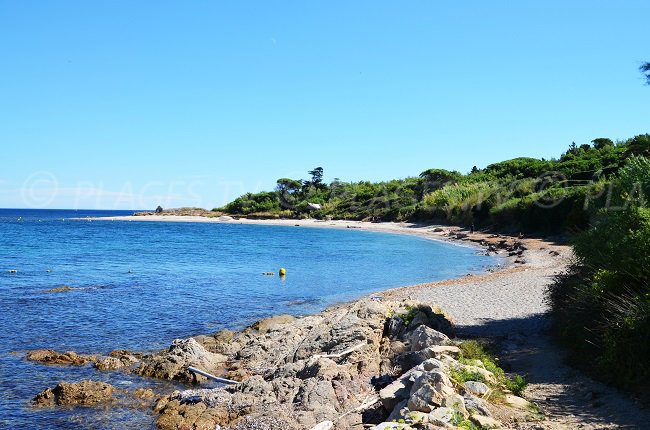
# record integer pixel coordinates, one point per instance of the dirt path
(508, 307)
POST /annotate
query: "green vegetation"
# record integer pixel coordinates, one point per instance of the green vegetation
(407, 318)
(522, 194)
(517, 384)
(602, 305)
(471, 350)
(461, 422)
(474, 353)
(462, 375)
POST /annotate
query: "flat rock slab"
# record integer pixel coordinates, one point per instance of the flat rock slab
(49, 356)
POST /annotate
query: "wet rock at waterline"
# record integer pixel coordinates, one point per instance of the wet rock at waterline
(84, 393)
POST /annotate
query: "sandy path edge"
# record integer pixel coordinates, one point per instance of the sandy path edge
(507, 306)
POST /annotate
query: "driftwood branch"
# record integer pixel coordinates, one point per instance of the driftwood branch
(341, 354)
(210, 376)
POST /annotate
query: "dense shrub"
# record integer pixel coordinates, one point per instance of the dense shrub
(252, 203)
(601, 306)
(522, 194)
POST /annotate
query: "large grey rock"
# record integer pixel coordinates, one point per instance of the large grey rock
(173, 363)
(456, 402)
(477, 388)
(441, 416)
(394, 393)
(395, 327)
(420, 318)
(311, 370)
(476, 405)
(438, 380)
(423, 337)
(424, 399)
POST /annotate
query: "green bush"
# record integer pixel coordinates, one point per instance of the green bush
(251, 203)
(517, 384)
(601, 307)
(519, 195)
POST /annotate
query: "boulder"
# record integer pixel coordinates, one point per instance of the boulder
(456, 402)
(84, 393)
(477, 388)
(420, 318)
(432, 364)
(423, 337)
(424, 399)
(393, 394)
(117, 359)
(441, 416)
(173, 363)
(438, 380)
(476, 405)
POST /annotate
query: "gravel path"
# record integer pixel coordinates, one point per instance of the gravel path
(508, 307)
(501, 303)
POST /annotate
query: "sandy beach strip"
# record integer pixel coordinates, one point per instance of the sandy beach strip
(422, 230)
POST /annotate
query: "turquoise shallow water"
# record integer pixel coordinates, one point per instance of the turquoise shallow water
(138, 285)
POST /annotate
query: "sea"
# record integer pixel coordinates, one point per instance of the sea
(139, 285)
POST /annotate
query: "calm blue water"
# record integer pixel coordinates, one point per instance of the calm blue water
(138, 285)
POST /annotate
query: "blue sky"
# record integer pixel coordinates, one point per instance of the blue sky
(129, 104)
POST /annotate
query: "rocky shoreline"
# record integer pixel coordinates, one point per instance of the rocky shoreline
(378, 362)
(373, 362)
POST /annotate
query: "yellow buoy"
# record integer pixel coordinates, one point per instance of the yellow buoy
(282, 271)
